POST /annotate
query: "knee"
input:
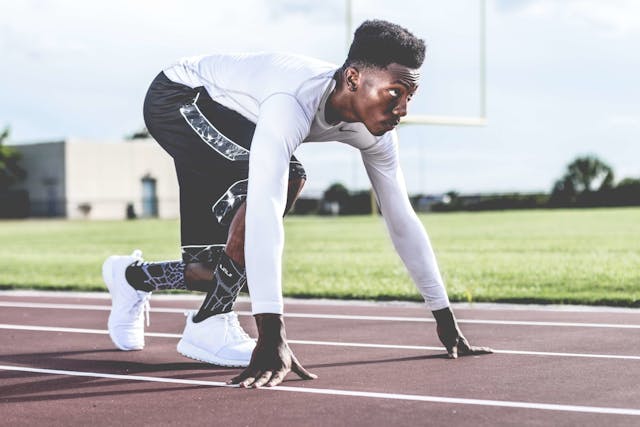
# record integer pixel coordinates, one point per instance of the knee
(295, 187)
(296, 184)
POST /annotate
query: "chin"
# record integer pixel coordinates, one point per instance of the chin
(383, 130)
(378, 130)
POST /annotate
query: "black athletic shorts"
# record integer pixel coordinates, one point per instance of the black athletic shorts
(210, 147)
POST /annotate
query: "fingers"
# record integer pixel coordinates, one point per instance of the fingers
(244, 375)
(262, 379)
(247, 382)
(480, 350)
(277, 378)
(464, 349)
(453, 352)
(297, 368)
(254, 378)
(249, 379)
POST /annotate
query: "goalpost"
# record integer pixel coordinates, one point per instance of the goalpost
(442, 120)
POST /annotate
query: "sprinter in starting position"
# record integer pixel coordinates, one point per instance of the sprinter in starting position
(232, 124)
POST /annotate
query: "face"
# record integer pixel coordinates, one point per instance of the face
(381, 95)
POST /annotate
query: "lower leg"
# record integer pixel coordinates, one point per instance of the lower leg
(196, 274)
(229, 273)
(235, 241)
(221, 276)
(170, 275)
(156, 276)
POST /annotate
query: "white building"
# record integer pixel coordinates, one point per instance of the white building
(99, 180)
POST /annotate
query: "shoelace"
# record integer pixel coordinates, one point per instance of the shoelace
(143, 305)
(143, 302)
(235, 328)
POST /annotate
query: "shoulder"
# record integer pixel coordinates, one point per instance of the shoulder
(263, 64)
(288, 67)
(293, 62)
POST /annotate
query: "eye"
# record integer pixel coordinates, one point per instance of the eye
(395, 93)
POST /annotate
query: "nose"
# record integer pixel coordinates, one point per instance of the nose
(400, 110)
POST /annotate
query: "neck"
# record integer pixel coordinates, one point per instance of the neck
(339, 107)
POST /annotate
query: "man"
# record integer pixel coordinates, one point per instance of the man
(232, 124)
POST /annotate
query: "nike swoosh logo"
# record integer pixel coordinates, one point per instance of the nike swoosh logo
(346, 129)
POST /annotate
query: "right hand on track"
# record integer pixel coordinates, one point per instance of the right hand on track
(272, 359)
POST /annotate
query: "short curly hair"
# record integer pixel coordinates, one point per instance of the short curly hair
(379, 43)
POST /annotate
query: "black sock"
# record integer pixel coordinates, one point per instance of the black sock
(228, 278)
(156, 276)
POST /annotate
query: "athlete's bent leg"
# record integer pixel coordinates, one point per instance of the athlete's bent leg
(229, 274)
(182, 274)
(199, 276)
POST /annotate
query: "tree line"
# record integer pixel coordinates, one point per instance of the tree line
(587, 182)
(10, 170)
(13, 204)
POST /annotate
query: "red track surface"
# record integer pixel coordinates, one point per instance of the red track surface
(415, 386)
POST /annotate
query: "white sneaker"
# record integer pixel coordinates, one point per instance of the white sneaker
(219, 340)
(128, 305)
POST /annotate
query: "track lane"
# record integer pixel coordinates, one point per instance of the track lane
(500, 377)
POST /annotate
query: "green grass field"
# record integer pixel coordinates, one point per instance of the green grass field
(547, 256)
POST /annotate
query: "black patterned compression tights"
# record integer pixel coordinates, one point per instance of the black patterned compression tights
(156, 276)
(222, 291)
(228, 277)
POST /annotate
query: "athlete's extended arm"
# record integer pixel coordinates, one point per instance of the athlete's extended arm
(412, 242)
(280, 129)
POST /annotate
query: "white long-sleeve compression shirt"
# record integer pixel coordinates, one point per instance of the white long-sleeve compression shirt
(285, 95)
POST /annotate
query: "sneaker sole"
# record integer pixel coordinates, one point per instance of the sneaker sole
(120, 347)
(192, 352)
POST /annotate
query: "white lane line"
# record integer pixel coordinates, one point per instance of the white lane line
(16, 304)
(420, 347)
(332, 392)
(289, 301)
(324, 343)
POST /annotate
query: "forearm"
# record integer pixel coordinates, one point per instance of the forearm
(405, 229)
(264, 243)
(414, 248)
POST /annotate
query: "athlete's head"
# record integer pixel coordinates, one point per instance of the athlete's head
(381, 73)
(378, 43)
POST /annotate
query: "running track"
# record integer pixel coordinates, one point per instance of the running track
(379, 364)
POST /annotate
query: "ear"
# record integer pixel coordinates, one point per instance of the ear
(352, 78)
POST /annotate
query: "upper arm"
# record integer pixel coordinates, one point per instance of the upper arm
(280, 129)
(383, 168)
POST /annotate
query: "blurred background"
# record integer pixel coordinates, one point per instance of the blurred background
(561, 89)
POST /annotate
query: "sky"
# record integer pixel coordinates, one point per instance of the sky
(562, 78)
